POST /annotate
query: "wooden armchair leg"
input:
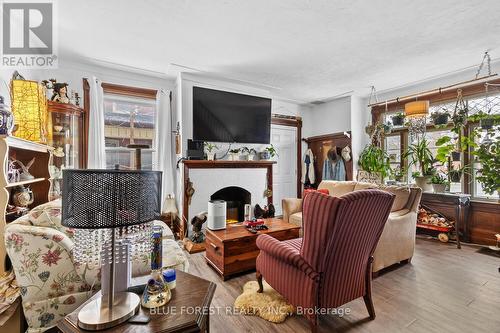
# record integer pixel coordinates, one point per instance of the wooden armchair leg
(368, 296)
(259, 281)
(369, 305)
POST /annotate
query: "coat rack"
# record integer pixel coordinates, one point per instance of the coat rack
(320, 145)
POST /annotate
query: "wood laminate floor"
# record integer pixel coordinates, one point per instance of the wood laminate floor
(443, 290)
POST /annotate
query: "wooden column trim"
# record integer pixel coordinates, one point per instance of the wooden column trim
(85, 124)
(294, 122)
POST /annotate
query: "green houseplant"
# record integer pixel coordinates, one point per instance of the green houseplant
(374, 159)
(439, 183)
(398, 119)
(268, 152)
(209, 148)
(420, 156)
(234, 154)
(440, 118)
(487, 153)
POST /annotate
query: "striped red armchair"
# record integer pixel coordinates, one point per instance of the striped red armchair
(331, 264)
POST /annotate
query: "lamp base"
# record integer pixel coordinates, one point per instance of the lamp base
(96, 315)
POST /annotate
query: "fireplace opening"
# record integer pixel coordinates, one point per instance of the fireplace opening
(236, 198)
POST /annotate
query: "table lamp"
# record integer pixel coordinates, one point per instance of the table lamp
(106, 207)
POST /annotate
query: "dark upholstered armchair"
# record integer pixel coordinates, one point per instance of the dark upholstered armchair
(331, 264)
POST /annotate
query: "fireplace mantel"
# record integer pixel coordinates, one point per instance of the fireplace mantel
(204, 164)
(221, 164)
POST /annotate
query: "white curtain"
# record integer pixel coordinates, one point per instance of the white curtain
(97, 152)
(164, 141)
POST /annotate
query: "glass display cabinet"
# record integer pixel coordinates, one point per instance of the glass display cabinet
(65, 136)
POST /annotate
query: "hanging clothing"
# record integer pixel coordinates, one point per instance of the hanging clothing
(339, 170)
(334, 167)
(308, 168)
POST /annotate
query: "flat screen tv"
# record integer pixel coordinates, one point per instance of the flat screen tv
(222, 116)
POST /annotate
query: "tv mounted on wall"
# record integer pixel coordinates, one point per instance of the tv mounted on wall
(222, 116)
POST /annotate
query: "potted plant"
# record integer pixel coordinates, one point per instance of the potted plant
(245, 151)
(268, 153)
(398, 119)
(455, 175)
(374, 159)
(440, 118)
(420, 156)
(487, 153)
(209, 148)
(439, 183)
(387, 128)
(399, 174)
(486, 120)
(252, 154)
(234, 154)
(447, 147)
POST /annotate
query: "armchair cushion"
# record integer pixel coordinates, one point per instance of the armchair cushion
(402, 194)
(286, 252)
(296, 219)
(336, 188)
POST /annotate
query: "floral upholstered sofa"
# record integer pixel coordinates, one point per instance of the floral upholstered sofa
(52, 284)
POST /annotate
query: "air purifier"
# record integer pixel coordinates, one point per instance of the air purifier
(216, 215)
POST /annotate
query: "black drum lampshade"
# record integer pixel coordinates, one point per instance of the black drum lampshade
(96, 199)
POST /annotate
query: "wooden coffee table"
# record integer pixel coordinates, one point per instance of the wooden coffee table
(187, 311)
(233, 250)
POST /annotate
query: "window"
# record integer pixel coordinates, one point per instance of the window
(393, 148)
(477, 188)
(128, 119)
(477, 100)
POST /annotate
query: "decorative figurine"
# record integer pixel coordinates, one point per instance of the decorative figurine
(25, 175)
(12, 172)
(22, 196)
(77, 99)
(266, 212)
(6, 118)
(60, 93)
(59, 152)
(197, 222)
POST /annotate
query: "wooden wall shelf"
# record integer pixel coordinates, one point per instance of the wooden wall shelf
(14, 142)
(25, 182)
(22, 150)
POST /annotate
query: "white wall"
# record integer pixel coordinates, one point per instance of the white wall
(360, 114)
(73, 73)
(331, 117)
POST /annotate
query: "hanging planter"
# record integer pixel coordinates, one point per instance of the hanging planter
(487, 123)
(455, 176)
(398, 119)
(456, 156)
(440, 118)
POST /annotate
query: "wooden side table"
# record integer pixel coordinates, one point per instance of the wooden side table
(187, 311)
(233, 250)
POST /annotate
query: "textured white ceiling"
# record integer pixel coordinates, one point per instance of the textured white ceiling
(307, 50)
